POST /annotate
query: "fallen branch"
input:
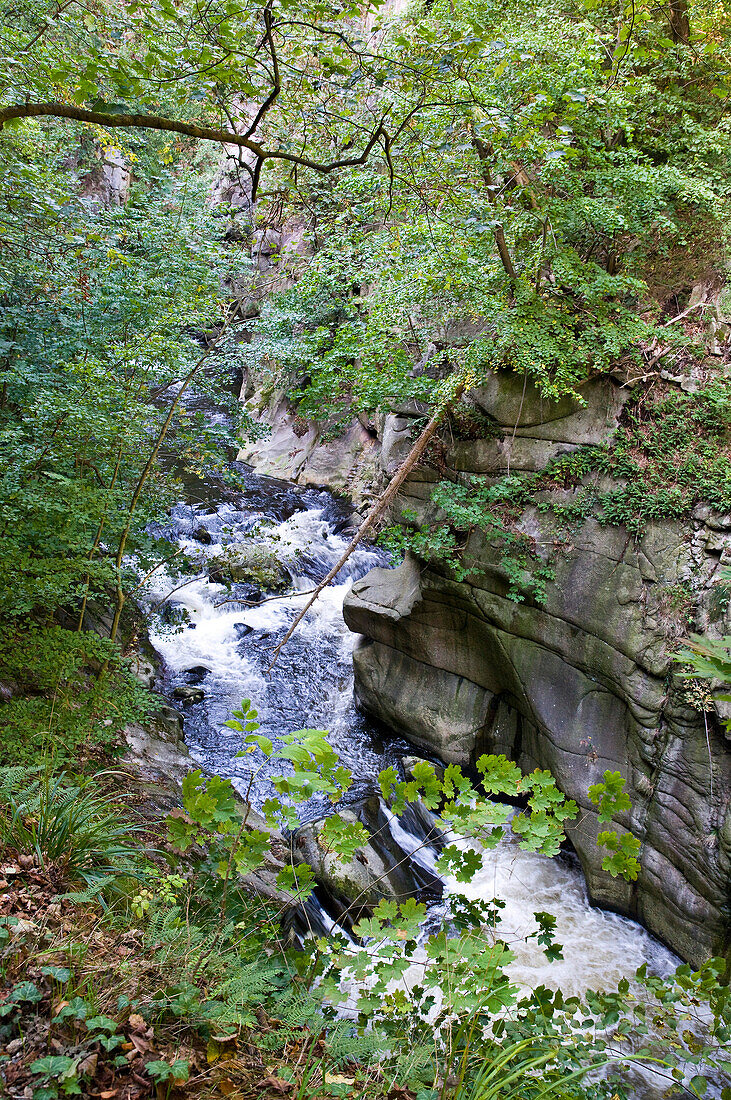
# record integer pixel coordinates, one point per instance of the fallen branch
(378, 508)
(698, 305)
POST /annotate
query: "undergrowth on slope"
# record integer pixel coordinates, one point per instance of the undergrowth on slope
(130, 972)
(75, 683)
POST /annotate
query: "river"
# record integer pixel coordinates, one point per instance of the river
(213, 641)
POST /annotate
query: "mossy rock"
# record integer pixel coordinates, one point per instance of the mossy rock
(254, 564)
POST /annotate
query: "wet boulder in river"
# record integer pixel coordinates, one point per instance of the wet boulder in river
(382, 868)
(202, 534)
(251, 562)
(197, 674)
(186, 693)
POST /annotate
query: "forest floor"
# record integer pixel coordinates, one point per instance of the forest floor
(91, 1005)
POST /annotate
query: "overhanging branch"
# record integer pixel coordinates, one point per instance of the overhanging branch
(190, 129)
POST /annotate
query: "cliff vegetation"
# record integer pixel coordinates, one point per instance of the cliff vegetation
(511, 219)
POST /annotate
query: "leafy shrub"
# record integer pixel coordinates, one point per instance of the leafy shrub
(66, 691)
(463, 1020)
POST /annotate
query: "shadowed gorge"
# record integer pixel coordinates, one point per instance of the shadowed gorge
(365, 550)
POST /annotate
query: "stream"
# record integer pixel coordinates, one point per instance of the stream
(213, 642)
(216, 650)
(216, 639)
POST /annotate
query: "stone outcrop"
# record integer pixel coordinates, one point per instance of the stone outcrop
(296, 451)
(387, 866)
(582, 683)
(109, 181)
(358, 461)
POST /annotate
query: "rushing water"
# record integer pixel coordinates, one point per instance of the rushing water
(219, 644)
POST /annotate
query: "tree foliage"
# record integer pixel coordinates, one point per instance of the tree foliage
(100, 310)
(528, 217)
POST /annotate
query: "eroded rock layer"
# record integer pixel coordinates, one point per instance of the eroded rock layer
(584, 682)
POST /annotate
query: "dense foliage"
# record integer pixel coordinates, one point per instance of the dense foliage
(530, 217)
(457, 188)
(100, 310)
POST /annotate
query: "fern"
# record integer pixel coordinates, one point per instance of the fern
(415, 1062)
(177, 942)
(346, 1043)
(90, 896)
(16, 778)
(251, 985)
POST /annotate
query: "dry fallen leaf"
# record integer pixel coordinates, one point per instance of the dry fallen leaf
(88, 1065)
(141, 1045)
(217, 1051)
(22, 925)
(275, 1084)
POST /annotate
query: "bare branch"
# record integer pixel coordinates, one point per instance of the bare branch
(277, 83)
(377, 510)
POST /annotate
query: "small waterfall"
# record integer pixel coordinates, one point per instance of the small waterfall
(214, 641)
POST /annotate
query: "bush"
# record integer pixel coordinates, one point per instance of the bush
(68, 824)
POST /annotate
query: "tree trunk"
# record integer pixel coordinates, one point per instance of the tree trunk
(679, 21)
(483, 152)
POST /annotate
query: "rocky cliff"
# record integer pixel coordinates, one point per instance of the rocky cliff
(581, 683)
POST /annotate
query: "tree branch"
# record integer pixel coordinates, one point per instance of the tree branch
(190, 129)
(378, 508)
(277, 83)
(483, 153)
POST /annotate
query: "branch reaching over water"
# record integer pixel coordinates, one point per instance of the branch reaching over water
(191, 129)
(377, 510)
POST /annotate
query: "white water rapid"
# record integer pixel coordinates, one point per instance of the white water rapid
(223, 649)
(212, 641)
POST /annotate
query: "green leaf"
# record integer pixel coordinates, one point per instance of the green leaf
(58, 973)
(610, 796)
(26, 991)
(53, 1065)
(101, 1023)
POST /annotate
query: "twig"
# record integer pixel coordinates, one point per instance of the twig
(268, 599)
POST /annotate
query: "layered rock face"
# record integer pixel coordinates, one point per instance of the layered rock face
(582, 683)
(357, 462)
